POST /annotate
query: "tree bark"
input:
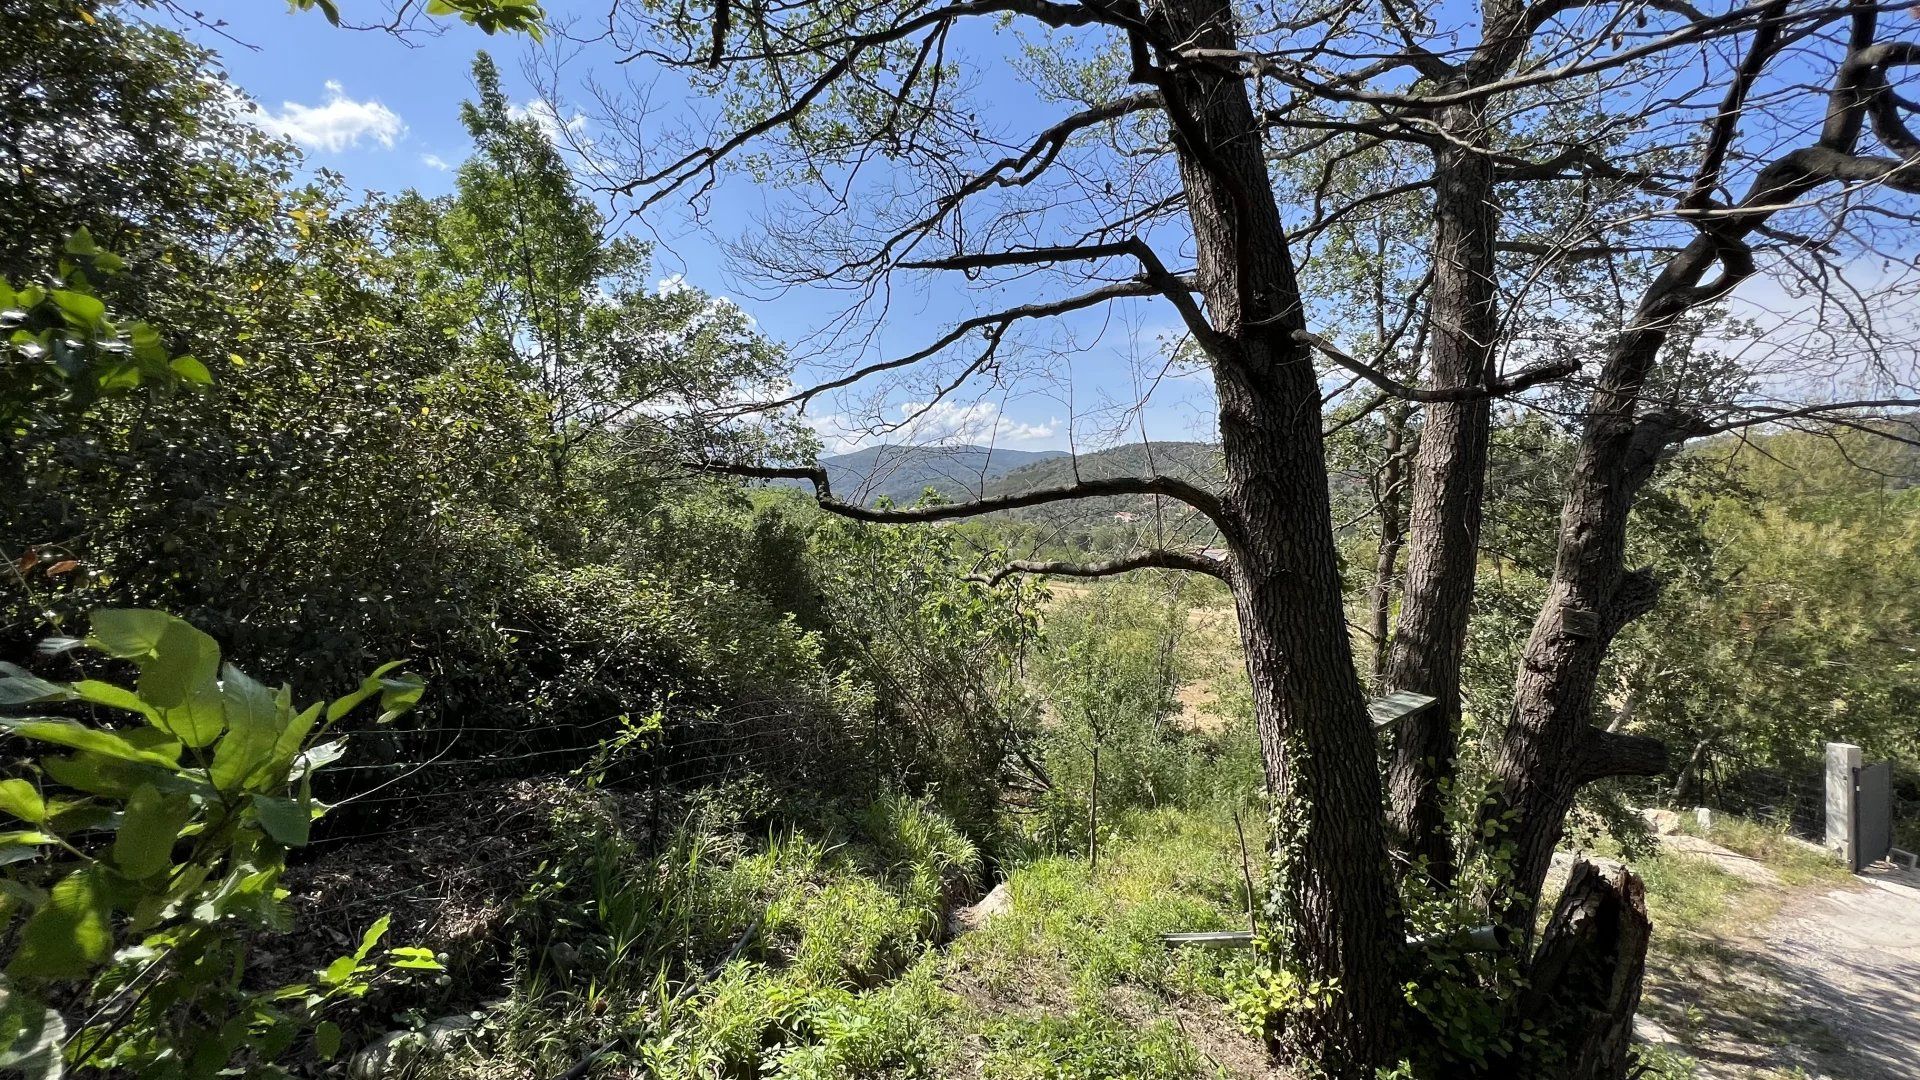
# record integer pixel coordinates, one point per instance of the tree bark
(1339, 917)
(1584, 984)
(1449, 476)
(1449, 481)
(1393, 537)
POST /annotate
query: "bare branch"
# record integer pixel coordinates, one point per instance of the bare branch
(1153, 271)
(995, 324)
(1160, 560)
(1521, 380)
(1166, 486)
(1767, 414)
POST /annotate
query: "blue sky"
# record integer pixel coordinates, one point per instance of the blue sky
(384, 113)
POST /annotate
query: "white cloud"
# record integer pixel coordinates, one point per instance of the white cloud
(339, 123)
(978, 422)
(435, 161)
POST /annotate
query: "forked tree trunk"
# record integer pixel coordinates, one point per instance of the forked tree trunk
(1584, 984)
(1340, 924)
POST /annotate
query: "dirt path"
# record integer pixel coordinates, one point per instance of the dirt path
(1830, 985)
(1852, 958)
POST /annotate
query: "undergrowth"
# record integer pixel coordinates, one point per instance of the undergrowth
(816, 954)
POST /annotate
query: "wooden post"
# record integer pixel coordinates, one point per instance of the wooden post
(1093, 813)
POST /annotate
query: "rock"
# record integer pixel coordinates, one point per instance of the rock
(387, 1055)
(449, 1031)
(390, 1054)
(1648, 1030)
(1662, 822)
(996, 902)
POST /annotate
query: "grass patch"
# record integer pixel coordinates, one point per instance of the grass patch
(1081, 932)
(1088, 1043)
(1690, 894)
(797, 957)
(1797, 863)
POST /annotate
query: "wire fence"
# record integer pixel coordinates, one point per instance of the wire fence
(392, 779)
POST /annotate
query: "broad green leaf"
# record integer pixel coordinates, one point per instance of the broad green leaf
(254, 723)
(198, 720)
(79, 737)
(32, 837)
(340, 971)
(113, 697)
(85, 309)
(372, 937)
(22, 687)
(70, 936)
(369, 686)
(81, 243)
(316, 757)
(287, 758)
(289, 821)
(31, 1036)
(190, 369)
(22, 800)
(398, 696)
(144, 845)
(185, 662)
(326, 1040)
(412, 957)
(129, 633)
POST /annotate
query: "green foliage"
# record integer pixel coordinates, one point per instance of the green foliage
(152, 850)
(63, 349)
(790, 958)
(1117, 653)
(492, 16)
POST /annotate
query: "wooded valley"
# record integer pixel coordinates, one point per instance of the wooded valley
(454, 631)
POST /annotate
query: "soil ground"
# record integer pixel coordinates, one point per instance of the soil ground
(1828, 988)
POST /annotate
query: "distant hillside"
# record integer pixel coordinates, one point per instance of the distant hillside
(1123, 523)
(1193, 461)
(903, 473)
(1114, 524)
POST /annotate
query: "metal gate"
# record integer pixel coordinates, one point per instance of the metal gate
(1873, 807)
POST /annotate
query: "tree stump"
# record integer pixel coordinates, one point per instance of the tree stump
(1584, 983)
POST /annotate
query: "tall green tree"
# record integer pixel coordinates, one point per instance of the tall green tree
(542, 291)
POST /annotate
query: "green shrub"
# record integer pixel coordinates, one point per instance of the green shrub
(151, 852)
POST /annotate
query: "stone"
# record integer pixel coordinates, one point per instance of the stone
(1662, 822)
(997, 902)
(1843, 760)
(387, 1055)
(392, 1053)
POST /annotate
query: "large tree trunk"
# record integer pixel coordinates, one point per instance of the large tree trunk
(1449, 480)
(1339, 920)
(1550, 747)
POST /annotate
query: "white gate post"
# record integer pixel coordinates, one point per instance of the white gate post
(1843, 759)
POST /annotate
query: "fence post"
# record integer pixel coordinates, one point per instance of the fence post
(1843, 819)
